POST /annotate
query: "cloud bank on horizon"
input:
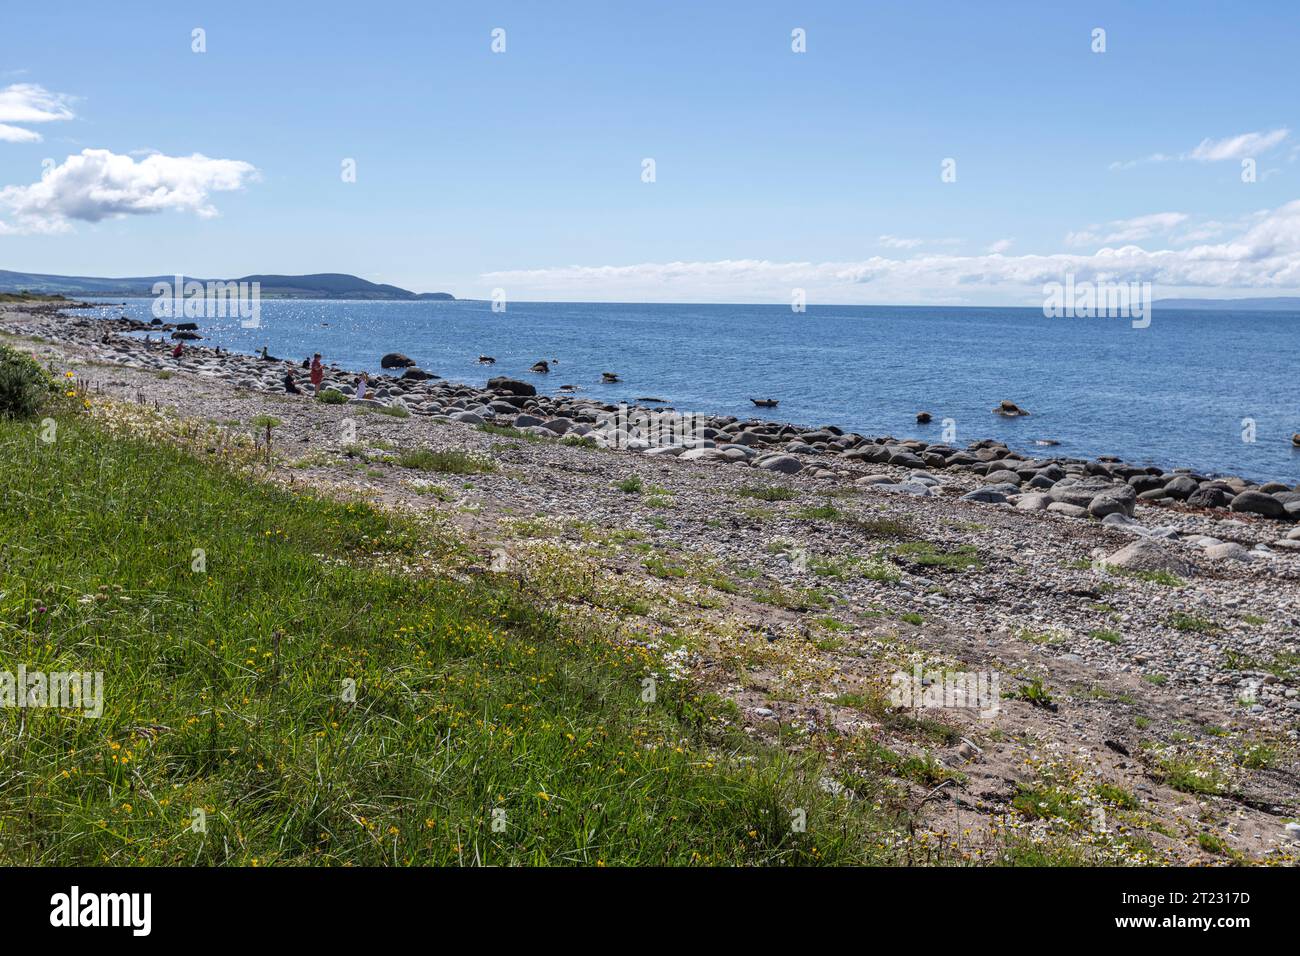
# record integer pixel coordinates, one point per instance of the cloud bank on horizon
(1265, 256)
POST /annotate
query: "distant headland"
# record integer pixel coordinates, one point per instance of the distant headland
(324, 285)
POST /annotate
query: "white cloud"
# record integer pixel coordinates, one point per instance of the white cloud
(1127, 230)
(896, 242)
(1002, 245)
(1264, 256)
(1216, 150)
(99, 184)
(16, 134)
(1238, 147)
(900, 242)
(30, 103)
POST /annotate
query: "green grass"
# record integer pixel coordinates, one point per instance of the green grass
(25, 386)
(826, 512)
(1211, 843)
(224, 691)
(875, 526)
(1189, 776)
(392, 411)
(451, 462)
(1117, 795)
(1190, 622)
(1257, 756)
(1040, 802)
(661, 568)
(1165, 578)
(1032, 692)
(332, 396)
(1109, 636)
(927, 554)
(630, 486)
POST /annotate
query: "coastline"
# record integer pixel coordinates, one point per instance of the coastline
(746, 562)
(1103, 465)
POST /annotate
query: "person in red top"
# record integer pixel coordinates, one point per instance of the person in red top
(176, 352)
(317, 373)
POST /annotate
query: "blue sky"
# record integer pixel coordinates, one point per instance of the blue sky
(773, 169)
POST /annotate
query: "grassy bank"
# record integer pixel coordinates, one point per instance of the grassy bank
(231, 620)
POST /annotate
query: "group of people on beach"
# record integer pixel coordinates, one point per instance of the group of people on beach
(316, 375)
(316, 372)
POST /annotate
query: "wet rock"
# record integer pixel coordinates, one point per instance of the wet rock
(510, 385)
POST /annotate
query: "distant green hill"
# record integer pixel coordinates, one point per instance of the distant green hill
(324, 285)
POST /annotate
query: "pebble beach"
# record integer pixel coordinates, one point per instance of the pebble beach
(1144, 624)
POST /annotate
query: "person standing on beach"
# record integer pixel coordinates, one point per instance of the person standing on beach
(178, 351)
(361, 385)
(317, 373)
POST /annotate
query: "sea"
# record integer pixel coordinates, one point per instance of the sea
(1214, 391)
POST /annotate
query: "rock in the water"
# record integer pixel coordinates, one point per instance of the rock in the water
(396, 360)
(1146, 555)
(511, 386)
(413, 374)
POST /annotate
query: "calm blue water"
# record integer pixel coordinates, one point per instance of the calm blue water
(1173, 394)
